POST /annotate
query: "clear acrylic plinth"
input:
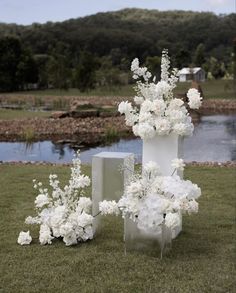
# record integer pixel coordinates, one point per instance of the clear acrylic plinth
(148, 242)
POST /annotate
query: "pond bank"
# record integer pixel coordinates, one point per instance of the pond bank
(229, 164)
(89, 131)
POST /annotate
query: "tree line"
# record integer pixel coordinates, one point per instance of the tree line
(97, 50)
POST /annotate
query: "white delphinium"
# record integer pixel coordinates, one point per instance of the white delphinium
(109, 207)
(138, 71)
(41, 200)
(165, 65)
(178, 164)
(24, 238)
(64, 212)
(155, 101)
(195, 100)
(45, 236)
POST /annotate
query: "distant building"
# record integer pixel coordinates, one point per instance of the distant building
(188, 74)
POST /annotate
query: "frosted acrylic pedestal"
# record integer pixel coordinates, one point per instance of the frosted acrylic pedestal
(110, 173)
(150, 243)
(162, 150)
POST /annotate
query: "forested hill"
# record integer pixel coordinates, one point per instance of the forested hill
(115, 38)
(136, 32)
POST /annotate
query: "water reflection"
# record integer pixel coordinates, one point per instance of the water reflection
(214, 139)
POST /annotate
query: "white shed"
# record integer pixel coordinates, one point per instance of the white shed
(189, 74)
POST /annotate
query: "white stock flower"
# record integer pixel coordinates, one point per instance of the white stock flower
(152, 168)
(146, 131)
(163, 126)
(192, 207)
(178, 164)
(45, 236)
(195, 99)
(159, 107)
(84, 204)
(32, 220)
(24, 238)
(176, 104)
(41, 200)
(138, 100)
(84, 220)
(109, 207)
(146, 106)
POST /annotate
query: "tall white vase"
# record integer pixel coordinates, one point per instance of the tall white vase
(162, 150)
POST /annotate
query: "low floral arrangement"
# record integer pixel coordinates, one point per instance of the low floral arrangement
(151, 199)
(62, 213)
(155, 110)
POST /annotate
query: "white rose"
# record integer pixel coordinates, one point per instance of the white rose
(24, 238)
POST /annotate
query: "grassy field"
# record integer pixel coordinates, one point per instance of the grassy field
(201, 260)
(214, 89)
(6, 114)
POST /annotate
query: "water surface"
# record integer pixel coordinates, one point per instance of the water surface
(214, 139)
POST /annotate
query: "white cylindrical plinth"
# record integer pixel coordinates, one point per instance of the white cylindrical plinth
(162, 150)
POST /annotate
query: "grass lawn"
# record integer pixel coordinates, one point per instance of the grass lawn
(212, 89)
(6, 114)
(201, 260)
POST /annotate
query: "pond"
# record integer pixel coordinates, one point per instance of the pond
(214, 139)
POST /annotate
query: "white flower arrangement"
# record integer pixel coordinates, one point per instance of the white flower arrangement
(64, 213)
(155, 110)
(151, 199)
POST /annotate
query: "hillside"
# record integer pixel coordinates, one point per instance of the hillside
(115, 38)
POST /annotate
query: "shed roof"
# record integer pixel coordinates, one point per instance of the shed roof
(188, 70)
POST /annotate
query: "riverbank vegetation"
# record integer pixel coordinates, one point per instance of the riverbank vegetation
(207, 239)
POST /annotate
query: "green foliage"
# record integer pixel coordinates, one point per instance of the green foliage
(84, 78)
(201, 260)
(17, 66)
(71, 51)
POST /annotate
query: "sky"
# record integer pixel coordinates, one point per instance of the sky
(29, 11)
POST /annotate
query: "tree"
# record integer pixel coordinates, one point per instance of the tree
(85, 72)
(153, 64)
(59, 73)
(199, 55)
(10, 57)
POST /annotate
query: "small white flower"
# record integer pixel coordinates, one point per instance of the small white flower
(109, 207)
(178, 164)
(125, 107)
(41, 200)
(195, 100)
(172, 220)
(24, 238)
(45, 236)
(138, 100)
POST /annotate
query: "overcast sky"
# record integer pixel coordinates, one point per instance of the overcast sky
(29, 11)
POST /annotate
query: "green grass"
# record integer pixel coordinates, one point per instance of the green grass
(201, 260)
(6, 114)
(102, 91)
(212, 89)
